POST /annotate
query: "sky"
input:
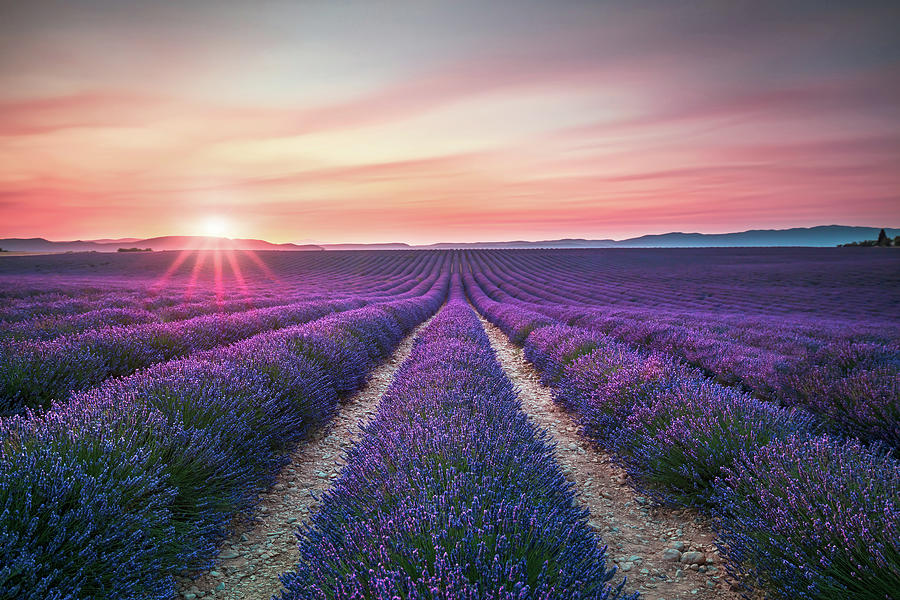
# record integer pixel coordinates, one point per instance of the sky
(343, 121)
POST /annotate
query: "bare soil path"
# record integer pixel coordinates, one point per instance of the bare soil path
(663, 553)
(261, 549)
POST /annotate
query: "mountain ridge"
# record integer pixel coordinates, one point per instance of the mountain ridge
(818, 236)
(168, 242)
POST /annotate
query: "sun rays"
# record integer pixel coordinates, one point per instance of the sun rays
(216, 263)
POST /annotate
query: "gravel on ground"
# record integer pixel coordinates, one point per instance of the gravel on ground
(263, 545)
(663, 553)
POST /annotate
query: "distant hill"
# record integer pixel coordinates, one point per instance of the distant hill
(822, 236)
(387, 246)
(186, 242)
(116, 240)
(42, 245)
(157, 243)
(825, 235)
(564, 243)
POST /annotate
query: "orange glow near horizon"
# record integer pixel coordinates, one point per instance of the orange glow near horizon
(450, 122)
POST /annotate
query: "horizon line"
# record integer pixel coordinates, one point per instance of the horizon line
(135, 240)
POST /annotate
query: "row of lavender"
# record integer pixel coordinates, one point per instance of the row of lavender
(108, 495)
(854, 386)
(786, 336)
(48, 316)
(32, 373)
(47, 327)
(451, 493)
(849, 378)
(801, 514)
(566, 284)
(174, 301)
(817, 282)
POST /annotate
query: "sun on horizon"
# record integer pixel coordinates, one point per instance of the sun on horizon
(215, 225)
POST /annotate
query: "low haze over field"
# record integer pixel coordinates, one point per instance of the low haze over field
(421, 122)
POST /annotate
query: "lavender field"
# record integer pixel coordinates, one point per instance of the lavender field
(496, 424)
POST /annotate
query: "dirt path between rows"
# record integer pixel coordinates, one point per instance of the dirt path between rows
(663, 553)
(258, 551)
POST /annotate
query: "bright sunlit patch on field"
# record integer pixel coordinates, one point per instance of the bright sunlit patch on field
(214, 262)
(215, 226)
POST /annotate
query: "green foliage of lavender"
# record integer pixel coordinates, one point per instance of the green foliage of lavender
(110, 494)
(814, 518)
(451, 493)
(801, 515)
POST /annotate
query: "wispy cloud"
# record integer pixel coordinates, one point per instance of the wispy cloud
(429, 120)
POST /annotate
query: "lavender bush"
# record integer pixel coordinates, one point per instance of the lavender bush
(814, 518)
(110, 494)
(451, 492)
(34, 373)
(676, 444)
(855, 387)
(801, 516)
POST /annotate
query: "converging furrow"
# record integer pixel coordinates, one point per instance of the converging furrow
(258, 550)
(665, 553)
(113, 493)
(451, 492)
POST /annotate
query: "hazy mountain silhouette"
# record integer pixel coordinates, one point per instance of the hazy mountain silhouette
(170, 242)
(824, 235)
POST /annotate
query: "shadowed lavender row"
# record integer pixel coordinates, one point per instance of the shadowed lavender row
(34, 373)
(451, 492)
(147, 301)
(816, 283)
(803, 515)
(110, 494)
(848, 374)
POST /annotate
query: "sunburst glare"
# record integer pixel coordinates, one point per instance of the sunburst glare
(216, 226)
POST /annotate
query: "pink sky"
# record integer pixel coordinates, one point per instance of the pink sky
(424, 122)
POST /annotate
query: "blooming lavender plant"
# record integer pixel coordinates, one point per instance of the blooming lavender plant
(34, 373)
(814, 518)
(676, 443)
(111, 493)
(855, 387)
(85, 509)
(451, 492)
(687, 440)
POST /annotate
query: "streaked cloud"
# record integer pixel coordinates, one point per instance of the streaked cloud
(427, 121)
